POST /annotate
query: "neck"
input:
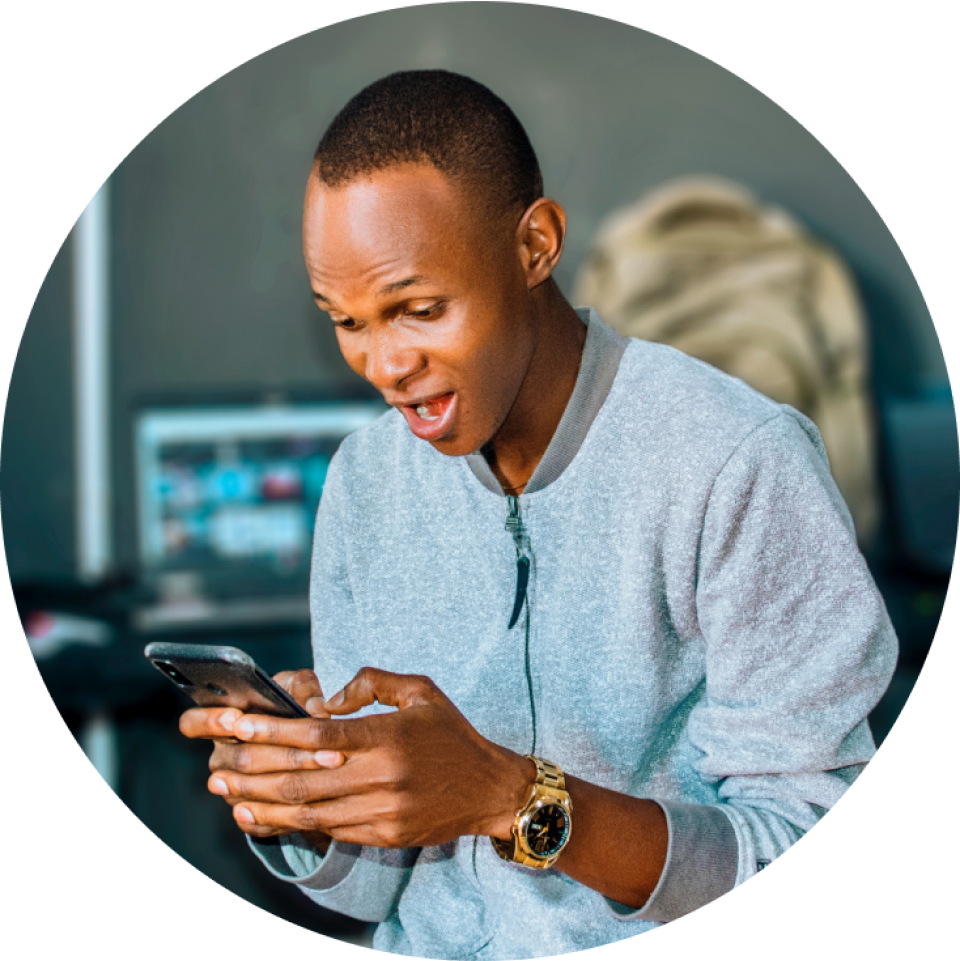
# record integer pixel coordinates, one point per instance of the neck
(516, 449)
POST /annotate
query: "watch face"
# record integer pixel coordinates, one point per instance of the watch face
(547, 830)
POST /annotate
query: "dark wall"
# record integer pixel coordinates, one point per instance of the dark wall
(209, 291)
(36, 464)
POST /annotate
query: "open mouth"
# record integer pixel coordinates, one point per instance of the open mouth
(431, 419)
(431, 409)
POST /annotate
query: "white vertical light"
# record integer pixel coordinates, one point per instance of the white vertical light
(91, 435)
(91, 297)
(98, 739)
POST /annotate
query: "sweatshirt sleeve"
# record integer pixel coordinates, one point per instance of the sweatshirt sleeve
(799, 649)
(361, 882)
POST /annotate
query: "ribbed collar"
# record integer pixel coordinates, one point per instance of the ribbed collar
(602, 350)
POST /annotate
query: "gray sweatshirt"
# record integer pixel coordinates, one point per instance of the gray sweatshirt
(699, 629)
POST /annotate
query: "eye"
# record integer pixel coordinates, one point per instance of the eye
(346, 323)
(423, 313)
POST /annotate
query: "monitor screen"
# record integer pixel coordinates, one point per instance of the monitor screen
(231, 493)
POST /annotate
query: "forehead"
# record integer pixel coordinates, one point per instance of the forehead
(404, 217)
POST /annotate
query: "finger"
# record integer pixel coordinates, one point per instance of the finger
(357, 820)
(208, 722)
(304, 687)
(289, 787)
(311, 734)
(267, 758)
(395, 690)
(325, 816)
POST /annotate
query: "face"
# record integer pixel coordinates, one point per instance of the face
(429, 298)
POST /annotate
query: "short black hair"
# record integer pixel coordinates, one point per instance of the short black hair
(433, 116)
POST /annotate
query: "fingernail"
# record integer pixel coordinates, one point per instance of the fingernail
(328, 758)
(336, 700)
(243, 728)
(315, 705)
(227, 720)
(219, 786)
(243, 815)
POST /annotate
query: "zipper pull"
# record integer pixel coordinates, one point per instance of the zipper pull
(515, 526)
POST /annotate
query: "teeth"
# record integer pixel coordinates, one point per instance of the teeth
(424, 413)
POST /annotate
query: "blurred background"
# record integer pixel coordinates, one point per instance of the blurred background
(177, 395)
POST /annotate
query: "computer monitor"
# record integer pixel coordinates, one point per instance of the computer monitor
(227, 498)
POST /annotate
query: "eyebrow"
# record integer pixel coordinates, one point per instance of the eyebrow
(400, 284)
(390, 288)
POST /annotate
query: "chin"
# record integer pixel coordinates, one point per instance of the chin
(453, 447)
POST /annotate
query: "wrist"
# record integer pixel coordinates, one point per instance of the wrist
(509, 788)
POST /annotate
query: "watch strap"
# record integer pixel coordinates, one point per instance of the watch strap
(549, 785)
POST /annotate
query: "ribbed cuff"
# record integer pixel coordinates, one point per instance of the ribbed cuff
(291, 858)
(363, 883)
(702, 858)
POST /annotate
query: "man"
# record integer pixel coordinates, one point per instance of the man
(599, 606)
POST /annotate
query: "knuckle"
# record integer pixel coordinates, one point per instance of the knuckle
(317, 736)
(304, 685)
(396, 773)
(293, 789)
(222, 757)
(309, 819)
(243, 759)
(258, 831)
(393, 835)
(423, 685)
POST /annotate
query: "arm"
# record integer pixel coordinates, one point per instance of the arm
(402, 786)
(798, 650)
(799, 645)
(362, 882)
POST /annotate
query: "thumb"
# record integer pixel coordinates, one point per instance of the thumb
(372, 686)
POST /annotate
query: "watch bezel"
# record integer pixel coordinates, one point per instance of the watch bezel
(528, 815)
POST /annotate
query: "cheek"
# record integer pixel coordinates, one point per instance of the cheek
(495, 377)
(351, 351)
(501, 361)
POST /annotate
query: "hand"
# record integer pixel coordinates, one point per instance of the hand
(232, 754)
(421, 775)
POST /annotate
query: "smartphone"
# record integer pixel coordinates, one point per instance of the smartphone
(214, 676)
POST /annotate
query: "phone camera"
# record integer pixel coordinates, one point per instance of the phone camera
(174, 674)
(215, 689)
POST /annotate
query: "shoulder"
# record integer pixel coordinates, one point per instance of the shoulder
(691, 419)
(672, 383)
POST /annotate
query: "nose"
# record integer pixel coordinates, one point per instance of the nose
(388, 361)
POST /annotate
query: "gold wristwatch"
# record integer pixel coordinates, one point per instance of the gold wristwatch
(541, 828)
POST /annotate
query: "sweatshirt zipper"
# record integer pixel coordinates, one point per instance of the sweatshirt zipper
(515, 526)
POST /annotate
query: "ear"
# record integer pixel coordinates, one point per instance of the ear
(541, 233)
